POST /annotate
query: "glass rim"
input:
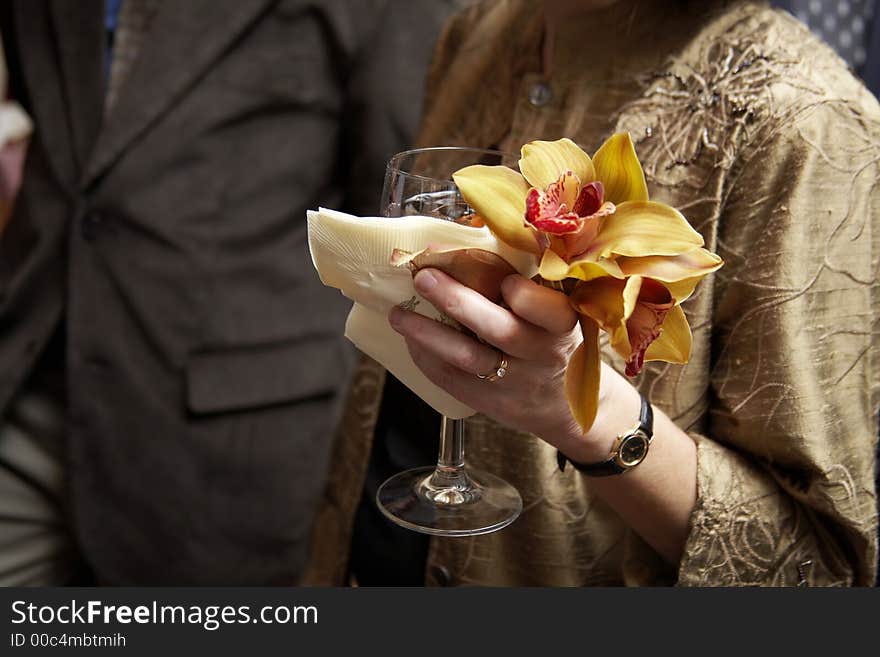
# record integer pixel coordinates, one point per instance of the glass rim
(433, 149)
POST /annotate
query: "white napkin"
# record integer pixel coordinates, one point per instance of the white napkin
(353, 255)
(15, 125)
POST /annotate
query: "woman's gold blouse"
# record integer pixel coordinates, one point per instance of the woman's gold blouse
(757, 132)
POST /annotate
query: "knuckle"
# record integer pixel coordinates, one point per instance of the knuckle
(559, 319)
(451, 304)
(469, 360)
(558, 357)
(561, 355)
(513, 291)
(522, 303)
(507, 334)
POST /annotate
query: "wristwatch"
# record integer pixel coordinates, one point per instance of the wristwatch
(628, 450)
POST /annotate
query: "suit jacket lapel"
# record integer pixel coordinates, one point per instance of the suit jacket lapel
(185, 38)
(79, 30)
(58, 67)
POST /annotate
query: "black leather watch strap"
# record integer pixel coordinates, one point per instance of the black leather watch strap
(611, 466)
(601, 469)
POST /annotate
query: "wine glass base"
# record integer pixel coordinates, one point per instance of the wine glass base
(481, 503)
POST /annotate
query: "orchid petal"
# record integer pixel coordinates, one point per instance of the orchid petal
(619, 336)
(643, 324)
(554, 268)
(566, 187)
(645, 228)
(551, 210)
(590, 200)
(682, 290)
(618, 167)
(631, 295)
(600, 299)
(582, 377)
(498, 194)
(696, 262)
(680, 273)
(579, 241)
(619, 341)
(543, 162)
(674, 343)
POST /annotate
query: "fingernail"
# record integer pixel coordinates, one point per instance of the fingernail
(425, 281)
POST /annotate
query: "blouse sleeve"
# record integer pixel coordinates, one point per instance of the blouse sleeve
(786, 470)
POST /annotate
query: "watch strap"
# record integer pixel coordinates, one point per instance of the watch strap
(611, 466)
(601, 469)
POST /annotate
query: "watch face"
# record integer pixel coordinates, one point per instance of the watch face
(633, 449)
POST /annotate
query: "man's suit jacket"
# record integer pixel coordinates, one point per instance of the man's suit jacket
(168, 240)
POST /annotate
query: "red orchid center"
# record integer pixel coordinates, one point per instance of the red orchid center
(644, 325)
(563, 205)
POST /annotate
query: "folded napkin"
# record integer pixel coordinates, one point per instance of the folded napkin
(353, 254)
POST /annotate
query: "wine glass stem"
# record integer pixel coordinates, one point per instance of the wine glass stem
(450, 461)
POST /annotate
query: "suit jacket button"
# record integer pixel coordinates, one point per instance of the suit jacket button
(90, 224)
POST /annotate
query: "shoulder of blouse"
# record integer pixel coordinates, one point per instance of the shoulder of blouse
(750, 75)
(775, 65)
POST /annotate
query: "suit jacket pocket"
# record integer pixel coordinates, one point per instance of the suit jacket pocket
(247, 377)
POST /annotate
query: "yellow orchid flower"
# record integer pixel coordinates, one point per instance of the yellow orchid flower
(640, 310)
(630, 261)
(586, 207)
(569, 197)
(632, 312)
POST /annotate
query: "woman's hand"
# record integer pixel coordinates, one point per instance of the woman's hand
(537, 335)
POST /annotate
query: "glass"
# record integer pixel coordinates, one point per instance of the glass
(448, 499)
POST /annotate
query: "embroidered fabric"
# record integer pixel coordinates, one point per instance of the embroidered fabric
(758, 133)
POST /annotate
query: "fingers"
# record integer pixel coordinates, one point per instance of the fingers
(464, 387)
(444, 343)
(522, 399)
(504, 398)
(539, 305)
(494, 324)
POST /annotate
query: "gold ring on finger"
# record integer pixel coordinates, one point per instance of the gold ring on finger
(500, 371)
